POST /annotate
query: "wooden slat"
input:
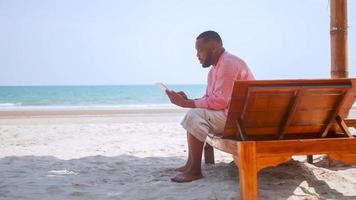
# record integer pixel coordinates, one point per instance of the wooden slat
(311, 116)
(274, 101)
(312, 100)
(274, 118)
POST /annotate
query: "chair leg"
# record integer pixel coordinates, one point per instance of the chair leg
(310, 159)
(247, 162)
(331, 162)
(208, 154)
(345, 158)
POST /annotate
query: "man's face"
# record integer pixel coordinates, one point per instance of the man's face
(204, 52)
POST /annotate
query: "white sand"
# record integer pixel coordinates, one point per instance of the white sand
(131, 156)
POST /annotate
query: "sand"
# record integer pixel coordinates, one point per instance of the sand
(131, 155)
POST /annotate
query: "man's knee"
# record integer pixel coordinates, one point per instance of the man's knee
(195, 113)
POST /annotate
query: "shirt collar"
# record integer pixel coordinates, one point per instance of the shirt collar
(220, 58)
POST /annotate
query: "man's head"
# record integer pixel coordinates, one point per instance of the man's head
(209, 47)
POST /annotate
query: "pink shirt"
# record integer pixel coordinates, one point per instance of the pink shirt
(221, 81)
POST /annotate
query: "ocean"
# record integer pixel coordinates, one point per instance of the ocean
(117, 96)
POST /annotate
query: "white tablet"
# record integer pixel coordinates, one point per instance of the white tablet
(163, 87)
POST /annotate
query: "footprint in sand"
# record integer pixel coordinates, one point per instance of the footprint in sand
(54, 189)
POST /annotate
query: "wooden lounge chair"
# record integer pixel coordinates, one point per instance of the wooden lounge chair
(270, 121)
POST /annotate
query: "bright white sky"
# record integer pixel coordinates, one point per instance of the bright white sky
(87, 42)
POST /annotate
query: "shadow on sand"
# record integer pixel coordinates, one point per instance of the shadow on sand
(129, 177)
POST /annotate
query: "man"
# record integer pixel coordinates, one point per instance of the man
(208, 114)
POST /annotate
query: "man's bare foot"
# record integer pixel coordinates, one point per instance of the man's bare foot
(181, 169)
(186, 177)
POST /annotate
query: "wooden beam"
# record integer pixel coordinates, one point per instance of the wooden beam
(343, 126)
(241, 130)
(271, 161)
(343, 157)
(338, 38)
(350, 122)
(287, 119)
(226, 145)
(333, 115)
(305, 147)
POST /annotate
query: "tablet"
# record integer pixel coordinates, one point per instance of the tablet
(163, 87)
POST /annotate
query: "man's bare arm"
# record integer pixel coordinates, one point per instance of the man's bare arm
(180, 99)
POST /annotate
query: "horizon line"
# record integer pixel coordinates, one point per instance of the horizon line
(60, 85)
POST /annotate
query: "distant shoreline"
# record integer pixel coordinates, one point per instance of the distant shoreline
(95, 111)
(90, 111)
(87, 107)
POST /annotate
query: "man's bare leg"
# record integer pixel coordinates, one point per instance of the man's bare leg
(186, 166)
(193, 171)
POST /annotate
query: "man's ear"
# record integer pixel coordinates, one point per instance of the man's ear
(214, 46)
(214, 49)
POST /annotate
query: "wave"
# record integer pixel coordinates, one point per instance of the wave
(10, 104)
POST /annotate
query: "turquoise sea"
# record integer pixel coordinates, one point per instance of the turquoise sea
(121, 96)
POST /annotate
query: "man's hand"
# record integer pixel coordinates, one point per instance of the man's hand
(180, 99)
(181, 93)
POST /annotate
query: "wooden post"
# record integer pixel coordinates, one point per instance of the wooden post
(208, 154)
(338, 38)
(247, 163)
(310, 159)
(338, 42)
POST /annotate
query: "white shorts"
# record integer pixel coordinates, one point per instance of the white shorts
(199, 122)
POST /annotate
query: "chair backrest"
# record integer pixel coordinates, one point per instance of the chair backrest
(288, 109)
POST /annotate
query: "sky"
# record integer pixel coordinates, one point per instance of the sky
(116, 42)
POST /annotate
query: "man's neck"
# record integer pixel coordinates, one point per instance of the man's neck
(217, 56)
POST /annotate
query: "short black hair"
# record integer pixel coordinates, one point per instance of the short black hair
(210, 35)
